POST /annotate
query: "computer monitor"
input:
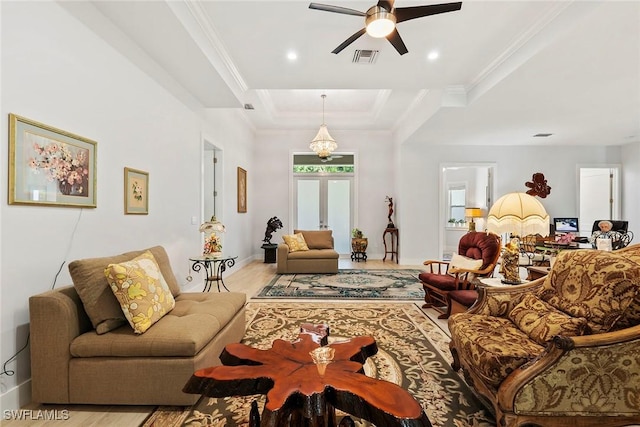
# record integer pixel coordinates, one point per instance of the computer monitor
(566, 225)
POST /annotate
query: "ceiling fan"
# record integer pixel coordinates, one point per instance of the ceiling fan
(380, 20)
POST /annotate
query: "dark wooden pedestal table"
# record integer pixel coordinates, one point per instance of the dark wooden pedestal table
(298, 396)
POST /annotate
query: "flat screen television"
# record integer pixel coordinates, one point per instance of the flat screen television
(566, 225)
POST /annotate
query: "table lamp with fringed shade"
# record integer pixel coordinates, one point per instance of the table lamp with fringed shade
(518, 214)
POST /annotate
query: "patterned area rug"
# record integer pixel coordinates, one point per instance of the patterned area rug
(350, 284)
(413, 352)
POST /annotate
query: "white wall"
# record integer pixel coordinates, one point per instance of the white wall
(630, 180)
(418, 182)
(58, 72)
(375, 169)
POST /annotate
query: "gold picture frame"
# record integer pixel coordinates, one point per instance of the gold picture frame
(136, 192)
(50, 166)
(242, 190)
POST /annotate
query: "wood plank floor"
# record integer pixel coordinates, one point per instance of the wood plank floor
(249, 279)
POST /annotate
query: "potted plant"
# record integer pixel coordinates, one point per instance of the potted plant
(452, 222)
(358, 241)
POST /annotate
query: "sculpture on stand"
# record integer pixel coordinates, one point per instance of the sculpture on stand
(390, 201)
(273, 225)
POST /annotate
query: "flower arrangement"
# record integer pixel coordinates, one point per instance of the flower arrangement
(137, 190)
(212, 244)
(62, 164)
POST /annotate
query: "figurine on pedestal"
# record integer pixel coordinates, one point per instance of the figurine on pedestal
(390, 201)
(273, 225)
(270, 248)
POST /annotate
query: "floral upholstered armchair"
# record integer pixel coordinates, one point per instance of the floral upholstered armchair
(562, 350)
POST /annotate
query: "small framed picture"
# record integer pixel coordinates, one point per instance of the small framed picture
(242, 190)
(136, 192)
(49, 166)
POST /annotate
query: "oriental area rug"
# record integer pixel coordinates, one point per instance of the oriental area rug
(383, 284)
(412, 352)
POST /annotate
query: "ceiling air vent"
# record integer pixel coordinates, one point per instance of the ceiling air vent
(362, 56)
(248, 107)
(542, 135)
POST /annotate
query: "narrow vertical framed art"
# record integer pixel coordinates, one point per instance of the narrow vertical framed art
(242, 190)
(136, 192)
(49, 166)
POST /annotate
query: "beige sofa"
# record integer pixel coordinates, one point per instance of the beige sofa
(563, 350)
(83, 350)
(320, 258)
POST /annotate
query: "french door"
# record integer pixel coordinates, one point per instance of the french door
(325, 203)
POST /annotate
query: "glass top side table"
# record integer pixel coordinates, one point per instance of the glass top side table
(213, 268)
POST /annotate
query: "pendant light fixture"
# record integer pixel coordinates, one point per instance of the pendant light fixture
(323, 144)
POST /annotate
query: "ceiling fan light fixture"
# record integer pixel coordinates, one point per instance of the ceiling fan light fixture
(379, 22)
(323, 144)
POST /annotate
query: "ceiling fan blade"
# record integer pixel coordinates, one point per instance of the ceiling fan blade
(413, 12)
(336, 9)
(348, 41)
(387, 4)
(397, 42)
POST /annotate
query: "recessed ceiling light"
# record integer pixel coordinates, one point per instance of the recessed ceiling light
(433, 55)
(292, 56)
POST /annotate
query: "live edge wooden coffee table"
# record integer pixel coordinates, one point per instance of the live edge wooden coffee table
(297, 395)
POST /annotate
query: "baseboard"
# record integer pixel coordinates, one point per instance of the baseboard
(16, 398)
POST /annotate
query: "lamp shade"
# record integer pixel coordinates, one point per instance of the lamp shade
(519, 214)
(473, 212)
(212, 226)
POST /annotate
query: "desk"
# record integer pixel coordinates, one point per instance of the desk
(213, 269)
(393, 233)
(297, 395)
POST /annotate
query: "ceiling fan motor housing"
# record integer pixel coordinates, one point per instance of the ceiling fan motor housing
(379, 22)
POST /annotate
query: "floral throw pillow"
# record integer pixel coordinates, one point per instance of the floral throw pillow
(296, 242)
(541, 322)
(142, 292)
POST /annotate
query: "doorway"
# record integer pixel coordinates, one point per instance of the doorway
(462, 186)
(211, 181)
(323, 197)
(599, 195)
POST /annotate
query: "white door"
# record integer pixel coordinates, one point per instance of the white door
(599, 196)
(325, 203)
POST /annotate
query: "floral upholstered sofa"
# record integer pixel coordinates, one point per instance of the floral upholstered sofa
(563, 350)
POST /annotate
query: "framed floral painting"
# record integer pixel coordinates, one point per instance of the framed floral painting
(136, 192)
(49, 166)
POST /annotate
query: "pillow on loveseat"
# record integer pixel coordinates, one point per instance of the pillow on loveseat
(596, 285)
(317, 239)
(541, 322)
(99, 303)
(143, 293)
(295, 242)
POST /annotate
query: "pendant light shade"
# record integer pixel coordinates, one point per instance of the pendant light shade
(323, 144)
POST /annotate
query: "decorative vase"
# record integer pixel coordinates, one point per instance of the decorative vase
(359, 244)
(64, 187)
